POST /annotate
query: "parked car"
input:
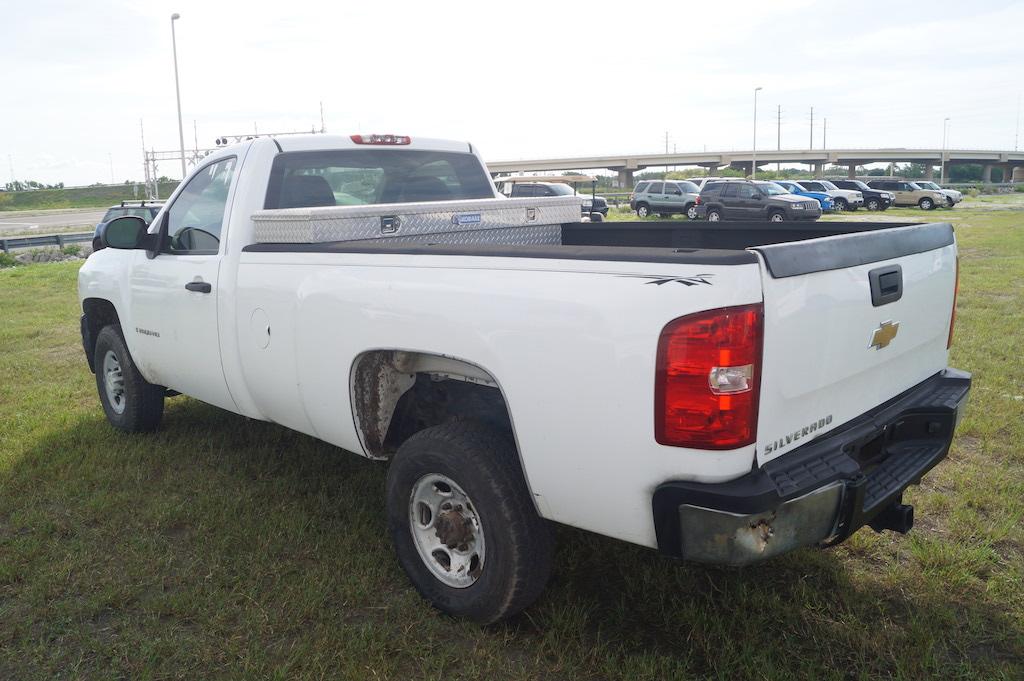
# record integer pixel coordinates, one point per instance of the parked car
(665, 197)
(514, 365)
(823, 199)
(845, 199)
(906, 193)
(145, 209)
(591, 204)
(953, 197)
(874, 199)
(751, 201)
(701, 181)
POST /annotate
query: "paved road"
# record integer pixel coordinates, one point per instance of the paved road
(43, 221)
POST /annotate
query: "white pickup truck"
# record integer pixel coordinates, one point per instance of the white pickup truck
(721, 393)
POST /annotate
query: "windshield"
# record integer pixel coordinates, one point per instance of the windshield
(828, 185)
(928, 185)
(561, 189)
(771, 189)
(859, 185)
(689, 187)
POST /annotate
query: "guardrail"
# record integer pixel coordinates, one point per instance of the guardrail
(58, 240)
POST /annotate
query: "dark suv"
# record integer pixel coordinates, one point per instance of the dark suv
(754, 201)
(874, 199)
(600, 204)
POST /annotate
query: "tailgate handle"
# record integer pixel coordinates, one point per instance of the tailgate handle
(886, 284)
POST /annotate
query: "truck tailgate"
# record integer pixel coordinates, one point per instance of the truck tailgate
(834, 347)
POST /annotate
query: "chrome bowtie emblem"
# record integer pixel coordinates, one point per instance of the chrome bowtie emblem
(884, 334)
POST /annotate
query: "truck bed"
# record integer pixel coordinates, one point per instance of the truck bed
(788, 250)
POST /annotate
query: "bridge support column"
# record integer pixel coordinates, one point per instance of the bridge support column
(819, 171)
(1007, 172)
(710, 168)
(1018, 174)
(929, 172)
(986, 173)
(851, 171)
(626, 179)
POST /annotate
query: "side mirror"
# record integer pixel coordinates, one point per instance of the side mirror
(126, 232)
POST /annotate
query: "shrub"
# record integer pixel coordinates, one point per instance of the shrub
(7, 260)
(72, 249)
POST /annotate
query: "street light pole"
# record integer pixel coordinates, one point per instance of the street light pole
(177, 93)
(753, 155)
(942, 172)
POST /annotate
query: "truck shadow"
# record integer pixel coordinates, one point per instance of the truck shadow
(246, 534)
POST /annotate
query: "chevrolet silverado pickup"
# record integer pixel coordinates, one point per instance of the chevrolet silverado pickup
(721, 392)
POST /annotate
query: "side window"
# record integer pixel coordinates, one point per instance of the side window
(673, 189)
(746, 191)
(656, 188)
(813, 186)
(640, 188)
(904, 187)
(195, 218)
(729, 189)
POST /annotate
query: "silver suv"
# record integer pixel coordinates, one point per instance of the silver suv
(665, 198)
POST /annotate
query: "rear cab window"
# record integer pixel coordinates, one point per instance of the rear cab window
(356, 177)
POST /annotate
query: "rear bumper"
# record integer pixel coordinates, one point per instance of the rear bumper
(822, 492)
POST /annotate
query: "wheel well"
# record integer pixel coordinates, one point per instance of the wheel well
(396, 394)
(98, 313)
(776, 211)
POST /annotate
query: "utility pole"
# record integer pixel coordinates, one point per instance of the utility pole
(778, 135)
(753, 153)
(812, 128)
(1016, 129)
(666, 141)
(942, 172)
(322, 128)
(824, 136)
(177, 93)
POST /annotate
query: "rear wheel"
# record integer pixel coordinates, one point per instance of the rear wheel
(691, 211)
(926, 204)
(873, 204)
(714, 215)
(642, 210)
(130, 402)
(463, 523)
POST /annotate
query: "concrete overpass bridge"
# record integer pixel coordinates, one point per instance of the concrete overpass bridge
(1011, 162)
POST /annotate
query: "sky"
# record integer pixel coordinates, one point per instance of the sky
(519, 79)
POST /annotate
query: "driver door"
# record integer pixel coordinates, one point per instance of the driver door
(174, 295)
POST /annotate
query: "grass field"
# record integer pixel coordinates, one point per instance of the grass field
(75, 197)
(225, 548)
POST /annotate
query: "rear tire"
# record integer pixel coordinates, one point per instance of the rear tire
(642, 210)
(714, 215)
(926, 204)
(691, 211)
(130, 402)
(463, 523)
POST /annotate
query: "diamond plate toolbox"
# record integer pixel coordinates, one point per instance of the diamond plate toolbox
(406, 220)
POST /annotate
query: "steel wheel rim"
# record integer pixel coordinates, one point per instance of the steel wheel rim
(446, 530)
(113, 382)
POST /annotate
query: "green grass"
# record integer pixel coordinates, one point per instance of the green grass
(221, 547)
(74, 197)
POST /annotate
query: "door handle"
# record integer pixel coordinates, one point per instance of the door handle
(199, 286)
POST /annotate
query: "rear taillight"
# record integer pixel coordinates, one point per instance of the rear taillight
(707, 379)
(696, 201)
(952, 315)
(381, 139)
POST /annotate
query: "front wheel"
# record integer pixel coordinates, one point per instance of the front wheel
(841, 204)
(776, 217)
(463, 523)
(714, 215)
(926, 204)
(130, 402)
(873, 204)
(691, 211)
